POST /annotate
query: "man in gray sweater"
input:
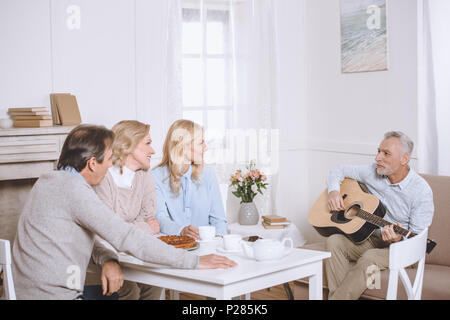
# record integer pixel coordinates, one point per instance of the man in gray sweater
(57, 227)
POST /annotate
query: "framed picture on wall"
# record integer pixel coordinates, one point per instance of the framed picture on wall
(364, 36)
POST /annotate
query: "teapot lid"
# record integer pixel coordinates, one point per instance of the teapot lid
(266, 241)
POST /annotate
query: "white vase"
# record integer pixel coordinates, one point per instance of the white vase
(248, 214)
(6, 123)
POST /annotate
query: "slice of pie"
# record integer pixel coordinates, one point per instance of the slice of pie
(181, 242)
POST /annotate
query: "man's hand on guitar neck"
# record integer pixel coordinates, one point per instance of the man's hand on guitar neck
(388, 234)
(335, 201)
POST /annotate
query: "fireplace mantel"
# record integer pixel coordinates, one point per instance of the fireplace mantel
(29, 152)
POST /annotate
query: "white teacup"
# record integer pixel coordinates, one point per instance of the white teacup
(232, 242)
(210, 245)
(207, 233)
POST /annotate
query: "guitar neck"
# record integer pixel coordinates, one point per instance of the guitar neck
(380, 222)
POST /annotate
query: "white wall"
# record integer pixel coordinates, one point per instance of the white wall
(362, 105)
(150, 67)
(341, 117)
(292, 192)
(114, 63)
(25, 54)
(96, 62)
(115, 66)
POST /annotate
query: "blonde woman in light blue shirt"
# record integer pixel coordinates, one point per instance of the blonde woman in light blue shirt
(187, 193)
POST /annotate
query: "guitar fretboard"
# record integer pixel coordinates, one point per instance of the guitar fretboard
(379, 222)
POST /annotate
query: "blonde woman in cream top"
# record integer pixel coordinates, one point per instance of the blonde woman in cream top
(132, 196)
(128, 189)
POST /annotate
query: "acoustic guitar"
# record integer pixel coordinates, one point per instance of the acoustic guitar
(363, 214)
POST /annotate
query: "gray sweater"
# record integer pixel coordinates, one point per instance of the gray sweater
(55, 239)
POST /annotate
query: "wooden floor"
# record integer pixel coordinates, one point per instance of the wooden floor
(274, 293)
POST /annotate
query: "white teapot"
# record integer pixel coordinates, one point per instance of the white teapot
(267, 249)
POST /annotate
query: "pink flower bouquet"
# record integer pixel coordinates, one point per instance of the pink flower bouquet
(243, 183)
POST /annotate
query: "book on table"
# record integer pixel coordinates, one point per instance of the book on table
(54, 107)
(28, 113)
(32, 123)
(65, 109)
(274, 218)
(28, 109)
(274, 221)
(284, 223)
(270, 226)
(31, 117)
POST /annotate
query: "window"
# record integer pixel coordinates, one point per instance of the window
(205, 71)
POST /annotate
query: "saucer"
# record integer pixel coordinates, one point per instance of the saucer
(193, 248)
(223, 250)
(212, 240)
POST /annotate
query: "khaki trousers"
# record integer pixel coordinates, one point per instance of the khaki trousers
(138, 291)
(347, 282)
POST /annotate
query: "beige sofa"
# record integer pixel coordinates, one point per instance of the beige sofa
(436, 282)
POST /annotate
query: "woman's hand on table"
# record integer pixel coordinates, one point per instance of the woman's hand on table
(214, 261)
(154, 225)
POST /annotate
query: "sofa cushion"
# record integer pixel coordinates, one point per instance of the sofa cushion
(439, 229)
(436, 281)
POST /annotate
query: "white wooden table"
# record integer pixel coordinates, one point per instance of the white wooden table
(291, 231)
(249, 276)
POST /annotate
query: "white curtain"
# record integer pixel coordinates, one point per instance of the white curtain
(251, 132)
(255, 108)
(434, 88)
(172, 95)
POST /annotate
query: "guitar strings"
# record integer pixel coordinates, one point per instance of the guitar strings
(381, 222)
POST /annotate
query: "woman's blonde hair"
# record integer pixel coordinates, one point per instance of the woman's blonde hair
(179, 141)
(128, 134)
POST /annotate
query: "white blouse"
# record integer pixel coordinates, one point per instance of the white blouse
(123, 180)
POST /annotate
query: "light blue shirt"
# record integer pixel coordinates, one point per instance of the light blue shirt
(198, 203)
(74, 172)
(409, 202)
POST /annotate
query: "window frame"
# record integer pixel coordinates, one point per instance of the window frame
(204, 57)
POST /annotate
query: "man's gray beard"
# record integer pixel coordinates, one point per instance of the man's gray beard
(385, 174)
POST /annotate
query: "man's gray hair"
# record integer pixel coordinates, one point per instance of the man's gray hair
(407, 143)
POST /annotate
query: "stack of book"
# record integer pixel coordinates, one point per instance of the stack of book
(275, 222)
(31, 117)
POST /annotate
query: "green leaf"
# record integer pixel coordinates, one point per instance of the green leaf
(237, 194)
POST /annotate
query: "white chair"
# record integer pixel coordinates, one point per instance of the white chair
(403, 254)
(5, 263)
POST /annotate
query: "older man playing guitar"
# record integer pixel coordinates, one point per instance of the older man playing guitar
(408, 200)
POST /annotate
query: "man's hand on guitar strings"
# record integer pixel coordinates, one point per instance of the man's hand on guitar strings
(388, 234)
(335, 201)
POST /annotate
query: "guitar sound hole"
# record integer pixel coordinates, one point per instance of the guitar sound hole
(339, 217)
(352, 211)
